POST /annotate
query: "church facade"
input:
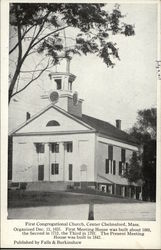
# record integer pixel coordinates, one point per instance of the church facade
(60, 148)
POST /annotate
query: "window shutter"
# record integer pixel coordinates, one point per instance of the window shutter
(127, 165)
(56, 168)
(110, 152)
(41, 172)
(52, 169)
(123, 155)
(70, 172)
(120, 167)
(111, 165)
(37, 148)
(107, 166)
(114, 167)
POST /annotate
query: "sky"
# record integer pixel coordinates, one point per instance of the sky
(108, 93)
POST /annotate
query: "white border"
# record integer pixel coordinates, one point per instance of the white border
(154, 240)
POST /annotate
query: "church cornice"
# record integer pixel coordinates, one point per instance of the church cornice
(55, 133)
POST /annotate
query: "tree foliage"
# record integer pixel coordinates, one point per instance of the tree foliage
(42, 23)
(149, 170)
(143, 165)
(134, 171)
(145, 127)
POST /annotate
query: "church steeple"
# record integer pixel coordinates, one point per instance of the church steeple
(62, 94)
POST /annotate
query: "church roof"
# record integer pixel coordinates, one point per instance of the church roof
(108, 129)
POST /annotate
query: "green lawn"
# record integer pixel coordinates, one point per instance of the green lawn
(19, 198)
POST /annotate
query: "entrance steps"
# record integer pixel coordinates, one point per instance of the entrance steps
(47, 186)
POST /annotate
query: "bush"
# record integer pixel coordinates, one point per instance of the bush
(23, 185)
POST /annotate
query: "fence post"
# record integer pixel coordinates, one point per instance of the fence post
(91, 212)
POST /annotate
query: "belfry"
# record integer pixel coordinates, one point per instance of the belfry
(62, 94)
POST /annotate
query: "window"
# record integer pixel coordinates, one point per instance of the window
(114, 167)
(69, 146)
(54, 168)
(40, 147)
(52, 123)
(120, 168)
(110, 152)
(58, 82)
(28, 115)
(107, 166)
(54, 147)
(70, 86)
(123, 155)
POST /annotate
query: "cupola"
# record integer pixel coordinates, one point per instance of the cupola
(62, 94)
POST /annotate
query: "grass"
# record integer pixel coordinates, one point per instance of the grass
(19, 198)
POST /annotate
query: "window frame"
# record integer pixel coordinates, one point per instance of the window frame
(52, 123)
(54, 146)
(69, 147)
(40, 148)
(70, 86)
(54, 168)
(58, 83)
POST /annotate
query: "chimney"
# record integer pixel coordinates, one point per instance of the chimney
(118, 124)
(28, 116)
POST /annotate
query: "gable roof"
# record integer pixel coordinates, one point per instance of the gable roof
(108, 129)
(75, 118)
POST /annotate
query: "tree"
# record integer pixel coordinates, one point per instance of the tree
(134, 171)
(35, 28)
(145, 131)
(145, 127)
(149, 170)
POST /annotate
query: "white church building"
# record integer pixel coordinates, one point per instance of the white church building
(61, 148)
